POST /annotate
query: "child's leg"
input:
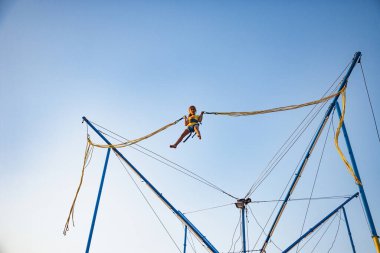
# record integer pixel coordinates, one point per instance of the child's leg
(196, 128)
(186, 132)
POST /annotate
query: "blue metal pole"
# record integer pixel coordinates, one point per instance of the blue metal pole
(97, 202)
(308, 154)
(349, 230)
(319, 223)
(184, 242)
(243, 228)
(374, 234)
(159, 195)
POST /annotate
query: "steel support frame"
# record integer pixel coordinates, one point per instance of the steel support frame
(179, 214)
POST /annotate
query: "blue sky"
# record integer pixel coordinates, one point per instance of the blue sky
(134, 66)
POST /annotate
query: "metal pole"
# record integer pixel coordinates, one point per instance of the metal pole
(180, 215)
(243, 228)
(319, 223)
(374, 234)
(97, 202)
(308, 154)
(184, 242)
(349, 230)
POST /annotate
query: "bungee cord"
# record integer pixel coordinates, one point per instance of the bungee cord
(235, 114)
(277, 109)
(131, 142)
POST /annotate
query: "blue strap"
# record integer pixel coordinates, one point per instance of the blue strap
(187, 137)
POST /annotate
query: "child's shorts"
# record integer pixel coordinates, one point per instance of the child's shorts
(191, 128)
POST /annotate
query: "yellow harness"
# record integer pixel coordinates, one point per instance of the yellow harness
(193, 120)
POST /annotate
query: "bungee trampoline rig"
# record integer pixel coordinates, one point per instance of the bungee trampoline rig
(243, 203)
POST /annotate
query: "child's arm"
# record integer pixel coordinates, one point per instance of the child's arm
(186, 120)
(201, 116)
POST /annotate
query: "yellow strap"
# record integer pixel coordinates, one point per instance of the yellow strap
(87, 155)
(348, 165)
(278, 109)
(131, 142)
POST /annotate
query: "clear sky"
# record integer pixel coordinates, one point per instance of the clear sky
(134, 66)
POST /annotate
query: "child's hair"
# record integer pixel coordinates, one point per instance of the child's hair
(191, 107)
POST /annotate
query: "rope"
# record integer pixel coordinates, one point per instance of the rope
(147, 201)
(317, 231)
(369, 99)
(209, 208)
(315, 180)
(233, 236)
(192, 242)
(262, 229)
(324, 233)
(131, 142)
(278, 109)
(337, 231)
(86, 161)
(348, 165)
(301, 199)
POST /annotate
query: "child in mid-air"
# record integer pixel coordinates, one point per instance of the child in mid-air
(192, 123)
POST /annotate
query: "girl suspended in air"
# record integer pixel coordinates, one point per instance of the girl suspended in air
(192, 123)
